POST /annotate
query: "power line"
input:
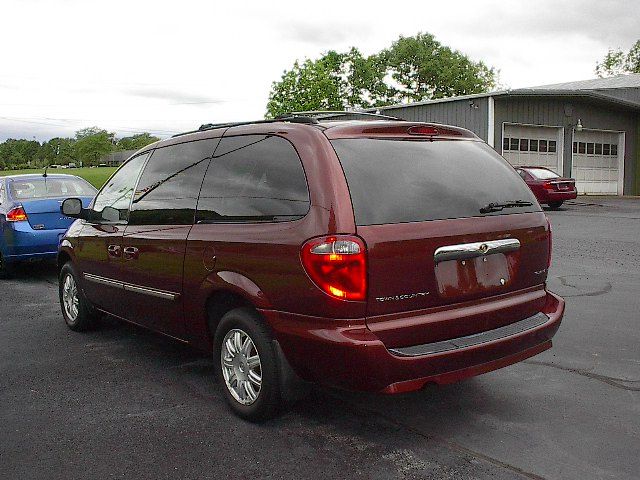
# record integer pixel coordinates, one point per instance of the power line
(52, 123)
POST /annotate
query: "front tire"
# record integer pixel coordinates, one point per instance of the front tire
(247, 366)
(77, 312)
(555, 205)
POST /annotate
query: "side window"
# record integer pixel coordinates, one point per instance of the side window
(112, 203)
(168, 189)
(254, 178)
(1, 193)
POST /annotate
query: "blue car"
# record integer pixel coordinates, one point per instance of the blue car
(30, 220)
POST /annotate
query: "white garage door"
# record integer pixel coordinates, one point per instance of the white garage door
(596, 161)
(533, 145)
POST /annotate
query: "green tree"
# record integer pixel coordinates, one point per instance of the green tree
(412, 69)
(58, 151)
(92, 144)
(617, 62)
(422, 68)
(20, 153)
(135, 142)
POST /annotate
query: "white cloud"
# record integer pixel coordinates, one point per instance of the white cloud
(170, 66)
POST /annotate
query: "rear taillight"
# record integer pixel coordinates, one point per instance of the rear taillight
(550, 239)
(548, 186)
(16, 215)
(337, 265)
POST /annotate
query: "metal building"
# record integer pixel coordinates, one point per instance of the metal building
(588, 130)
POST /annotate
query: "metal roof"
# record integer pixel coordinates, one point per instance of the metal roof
(619, 81)
(584, 88)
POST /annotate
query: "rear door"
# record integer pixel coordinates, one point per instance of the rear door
(154, 242)
(419, 206)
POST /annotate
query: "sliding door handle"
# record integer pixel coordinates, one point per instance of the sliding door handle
(130, 252)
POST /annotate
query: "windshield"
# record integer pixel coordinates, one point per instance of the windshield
(542, 173)
(47, 187)
(396, 181)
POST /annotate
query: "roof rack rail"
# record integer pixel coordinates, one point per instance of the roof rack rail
(309, 118)
(281, 118)
(320, 114)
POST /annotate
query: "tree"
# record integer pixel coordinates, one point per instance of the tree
(413, 68)
(58, 151)
(92, 144)
(617, 62)
(135, 142)
(312, 85)
(423, 69)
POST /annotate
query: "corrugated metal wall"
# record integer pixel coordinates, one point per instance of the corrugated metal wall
(470, 114)
(565, 112)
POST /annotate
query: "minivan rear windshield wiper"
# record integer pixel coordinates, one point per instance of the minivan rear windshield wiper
(497, 206)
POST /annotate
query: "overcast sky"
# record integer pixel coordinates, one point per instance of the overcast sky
(169, 66)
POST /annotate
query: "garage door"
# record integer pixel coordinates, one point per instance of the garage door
(533, 145)
(596, 161)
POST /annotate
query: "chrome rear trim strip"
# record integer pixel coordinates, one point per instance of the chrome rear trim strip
(470, 340)
(476, 249)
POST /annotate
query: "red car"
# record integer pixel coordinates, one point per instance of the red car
(370, 255)
(548, 187)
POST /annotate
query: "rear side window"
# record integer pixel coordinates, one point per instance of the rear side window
(396, 181)
(168, 189)
(253, 178)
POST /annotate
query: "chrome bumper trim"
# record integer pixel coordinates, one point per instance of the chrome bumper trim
(477, 249)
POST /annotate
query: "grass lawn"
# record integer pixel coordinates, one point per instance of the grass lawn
(95, 176)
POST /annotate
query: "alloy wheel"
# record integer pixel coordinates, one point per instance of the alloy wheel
(241, 366)
(70, 299)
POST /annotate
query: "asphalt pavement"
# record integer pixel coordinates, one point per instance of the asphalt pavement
(120, 402)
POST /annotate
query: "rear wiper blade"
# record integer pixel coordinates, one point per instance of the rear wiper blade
(497, 206)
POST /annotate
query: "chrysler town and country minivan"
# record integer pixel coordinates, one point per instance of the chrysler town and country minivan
(378, 255)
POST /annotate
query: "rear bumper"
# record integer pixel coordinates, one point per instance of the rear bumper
(347, 354)
(558, 196)
(21, 242)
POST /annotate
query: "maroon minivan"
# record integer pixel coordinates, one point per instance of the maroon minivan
(377, 255)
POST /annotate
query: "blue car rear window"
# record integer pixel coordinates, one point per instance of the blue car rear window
(34, 188)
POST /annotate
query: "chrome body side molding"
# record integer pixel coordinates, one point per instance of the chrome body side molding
(477, 249)
(132, 288)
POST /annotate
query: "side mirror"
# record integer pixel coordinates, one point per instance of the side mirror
(110, 214)
(72, 207)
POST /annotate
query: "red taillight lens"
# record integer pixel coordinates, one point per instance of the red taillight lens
(337, 265)
(16, 215)
(548, 186)
(550, 243)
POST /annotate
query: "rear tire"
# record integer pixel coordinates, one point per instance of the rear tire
(555, 205)
(247, 365)
(77, 312)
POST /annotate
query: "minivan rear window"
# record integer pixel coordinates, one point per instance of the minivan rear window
(397, 180)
